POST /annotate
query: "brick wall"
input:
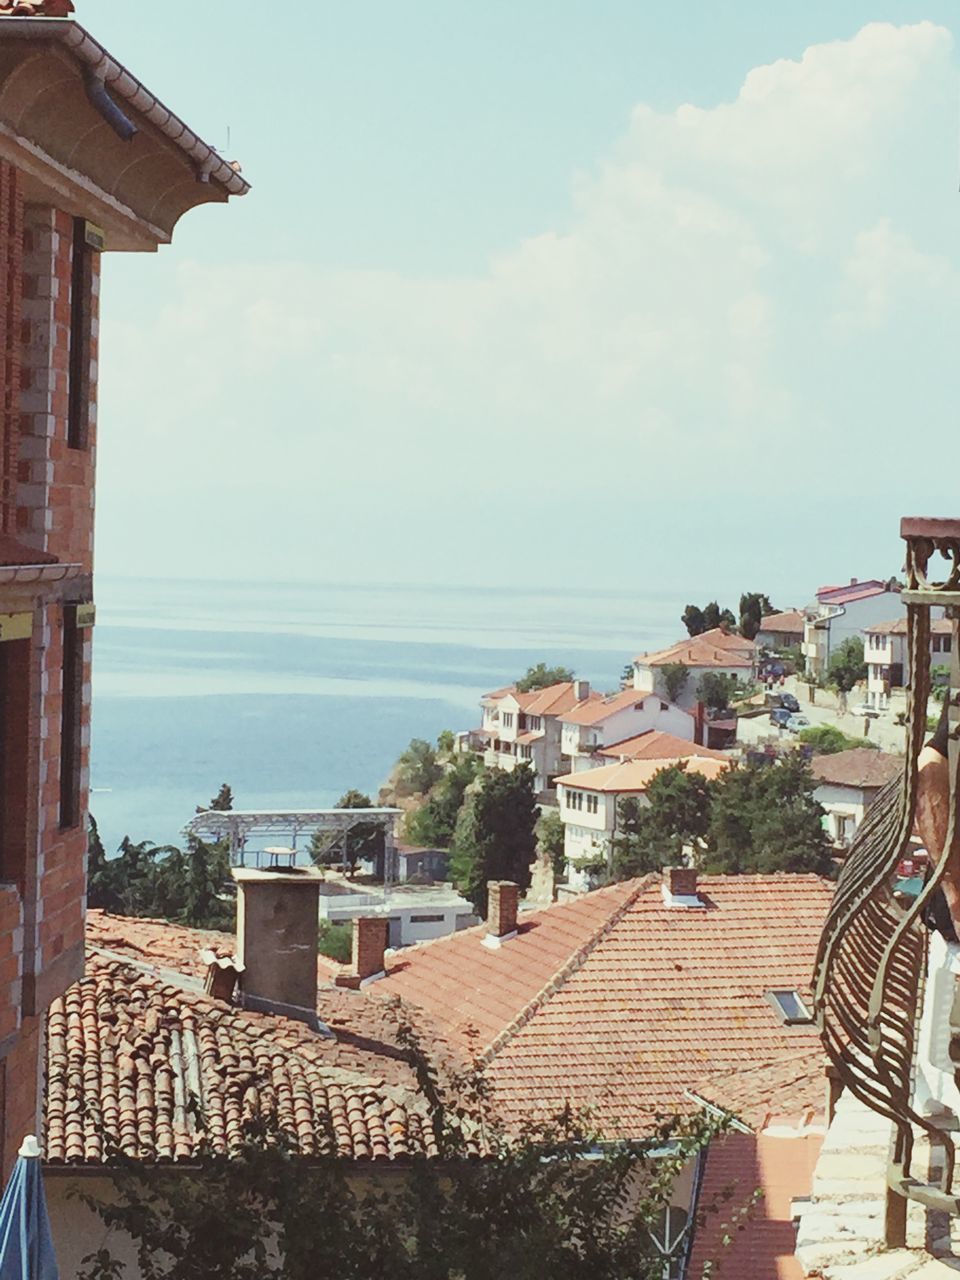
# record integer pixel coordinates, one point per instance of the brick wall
(21, 1078)
(11, 288)
(11, 960)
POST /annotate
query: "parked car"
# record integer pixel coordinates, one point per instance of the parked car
(789, 701)
(796, 723)
(780, 716)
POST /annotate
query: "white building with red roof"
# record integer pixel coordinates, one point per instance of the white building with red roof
(592, 726)
(525, 728)
(782, 630)
(885, 653)
(838, 613)
(717, 651)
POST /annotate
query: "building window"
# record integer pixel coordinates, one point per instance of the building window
(790, 1006)
(14, 753)
(427, 919)
(81, 333)
(593, 802)
(668, 1236)
(70, 719)
(508, 719)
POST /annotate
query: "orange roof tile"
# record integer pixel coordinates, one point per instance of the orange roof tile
(716, 648)
(595, 712)
(859, 767)
(636, 775)
(657, 745)
(555, 700)
(790, 621)
(781, 1168)
(938, 627)
(127, 1051)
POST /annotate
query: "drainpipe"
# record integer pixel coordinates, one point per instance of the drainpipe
(121, 125)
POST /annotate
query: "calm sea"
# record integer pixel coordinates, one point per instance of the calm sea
(294, 693)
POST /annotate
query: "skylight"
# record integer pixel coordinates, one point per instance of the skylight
(790, 1007)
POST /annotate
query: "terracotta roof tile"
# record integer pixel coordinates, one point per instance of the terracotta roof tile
(938, 627)
(860, 767)
(657, 745)
(789, 621)
(855, 591)
(139, 1064)
(781, 1168)
(636, 775)
(596, 711)
(716, 648)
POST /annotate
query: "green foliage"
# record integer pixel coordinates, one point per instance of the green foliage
(846, 667)
(826, 739)
(495, 837)
(653, 836)
(541, 677)
(532, 1206)
(939, 682)
(626, 675)
(716, 688)
(764, 819)
(364, 842)
(675, 676)
(336, 941)
(434, 823)
(692, 619)
(162, 881)
(754, 607)
(550, 841)
(222, 802)
(714, 616)
(445, 742)
(417, 770)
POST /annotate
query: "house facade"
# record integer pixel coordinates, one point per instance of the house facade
(885, 653)
(847, 784)
(839, 613)
(718, 652)
(781, 630)
(588, 803)
(109, 169)
(525, 728)
(593, 726)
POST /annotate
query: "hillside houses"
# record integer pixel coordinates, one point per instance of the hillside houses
(525, 728)
(593, 727)
(885, 653)
(717, 651)
(839, 613)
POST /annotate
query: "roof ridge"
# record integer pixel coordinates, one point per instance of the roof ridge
(565, 972)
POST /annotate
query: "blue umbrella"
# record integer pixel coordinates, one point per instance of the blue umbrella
(26, 1246)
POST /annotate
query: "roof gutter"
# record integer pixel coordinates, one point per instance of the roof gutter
(102, 68)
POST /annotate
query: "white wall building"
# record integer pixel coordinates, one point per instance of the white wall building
(592, 726)
(847, 784)
(716, 651)
(841, 612)
(885, 653)
(781, 630)
(588, 801)
(525, 728)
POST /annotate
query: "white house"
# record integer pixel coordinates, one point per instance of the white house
(594, 725)
(525, 728)
(781, 630)
(847, 784)
(588, 802)
(885, 653)
(841, 612)
(716, 651)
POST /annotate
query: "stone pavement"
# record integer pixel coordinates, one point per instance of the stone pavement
(840, 1236)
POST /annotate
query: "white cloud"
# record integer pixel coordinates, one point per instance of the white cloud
(692, 309)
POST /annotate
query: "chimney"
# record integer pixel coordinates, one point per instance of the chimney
(581, 690)
(502, 899)
(679, 887)
(277, 940)
(853, 582)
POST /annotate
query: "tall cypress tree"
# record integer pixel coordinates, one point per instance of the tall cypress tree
(495, 837)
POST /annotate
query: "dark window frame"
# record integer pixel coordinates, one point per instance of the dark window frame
(71, 720)
(81, 337)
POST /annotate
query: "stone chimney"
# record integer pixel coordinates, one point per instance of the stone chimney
(853, 582)
(581, 690)
(277, 940)
(503, 897)
(679, 887)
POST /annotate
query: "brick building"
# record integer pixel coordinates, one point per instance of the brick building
(90, 162)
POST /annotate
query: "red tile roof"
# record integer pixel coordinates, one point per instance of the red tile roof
(781, 1168)
(595, 712)
(133, 1061)
(716, 648)
(859, 767)
(555, 700)
(36, 8)
(14, 552)
(790, 621)
(636, 775)
(855, 591)
(619, 1002)
(657, 745)
(938, 627)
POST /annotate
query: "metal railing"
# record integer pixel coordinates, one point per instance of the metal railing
(871, 967)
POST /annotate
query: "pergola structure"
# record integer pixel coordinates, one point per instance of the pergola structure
(872, 966)
(241, 827)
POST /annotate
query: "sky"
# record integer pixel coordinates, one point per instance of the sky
(585, 294)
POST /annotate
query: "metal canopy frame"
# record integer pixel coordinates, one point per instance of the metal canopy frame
(871, 967)
(239, 825)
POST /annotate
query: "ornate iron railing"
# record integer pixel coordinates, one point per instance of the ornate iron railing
(869, 980)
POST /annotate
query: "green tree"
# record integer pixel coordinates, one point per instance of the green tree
(162, 881)
(335, 941)
(764, 819)
(445, 742)
(846, 667)
(417, 770)
(675, 676)
(495, 838)
(626, 675)
(364, 842)
(652, 836)
(434, 822)
(550, 842)
(754, 607)
(222, 802)
(716, 688)
(692, 619)
(714, 616)
(542, 677)
(826, 739)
